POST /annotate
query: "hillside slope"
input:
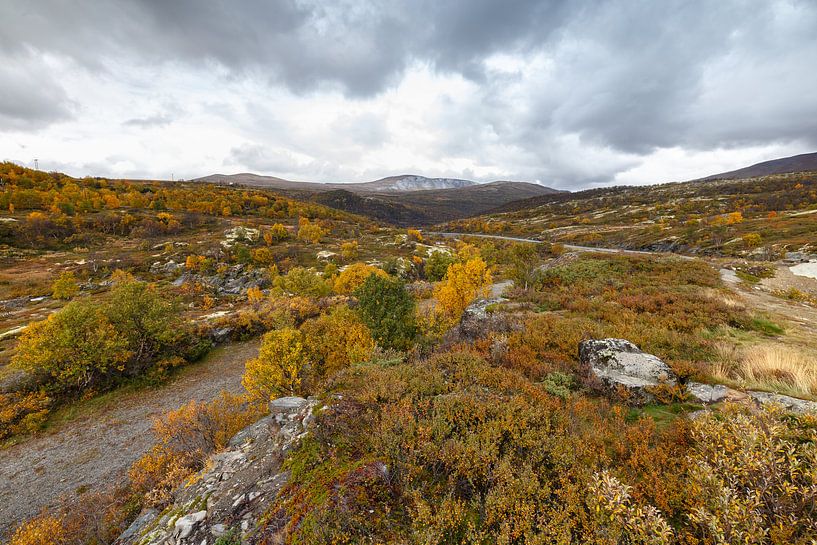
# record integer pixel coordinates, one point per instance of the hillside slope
(403, 200)
(795, 163)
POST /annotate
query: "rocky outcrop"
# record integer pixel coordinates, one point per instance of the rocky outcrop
(788, 403)
(618, 368)
(238, 486)
(235, 280)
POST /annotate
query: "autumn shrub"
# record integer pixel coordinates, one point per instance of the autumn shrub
(310, 232)
(74, 349)
(752, 477)
(46, 529)
(185, 437)
(349, 250)
(281, 367)
(276, 233)
(464, 282)
(303, 281)
(388, 310)
(22, 412)
(297, 361)
(437, 264)
(452, 449)
(94, 517)
(335, 341)
(65, 287)
(353, 276)
(90, 346)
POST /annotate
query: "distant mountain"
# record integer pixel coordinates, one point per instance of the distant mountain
(447, 204)
(403, 182)
(795, 163)
(403, 200)
(412, 182)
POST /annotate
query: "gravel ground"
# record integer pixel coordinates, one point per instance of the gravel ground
(97, 448)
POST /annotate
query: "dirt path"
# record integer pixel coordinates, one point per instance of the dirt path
(800, 318)
(97, 448)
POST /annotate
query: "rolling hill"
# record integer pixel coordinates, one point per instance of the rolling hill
(795, 163)
(403, 200)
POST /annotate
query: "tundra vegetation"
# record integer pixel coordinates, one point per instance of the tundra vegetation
(437, 423)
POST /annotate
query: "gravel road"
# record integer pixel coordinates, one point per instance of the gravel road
(97, 448)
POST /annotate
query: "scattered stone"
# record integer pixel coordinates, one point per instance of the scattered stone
(618, 367)
(707, 393)
(325, 255)
(789, 403)
(221, 334)
(165, 268)
(240, 234)
(185, 525)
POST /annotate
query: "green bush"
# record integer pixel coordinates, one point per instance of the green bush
(388, 310)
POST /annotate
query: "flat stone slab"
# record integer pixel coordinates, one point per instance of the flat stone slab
(789, 403)
(287, 404)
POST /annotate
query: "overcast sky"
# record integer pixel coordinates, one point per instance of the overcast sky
(569, 94)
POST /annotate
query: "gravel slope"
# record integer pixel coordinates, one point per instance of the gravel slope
(97, 448)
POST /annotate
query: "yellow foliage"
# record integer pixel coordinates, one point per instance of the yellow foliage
(185, 437)
(414, 234)
(255, 295)
(353, 276)
(280, 367)
(193, 262)
(349, 250)
(65, 286)
(336, 341)
(46, 529)
(263, 256)
(276, 233)
(310, 232)
(463, 283)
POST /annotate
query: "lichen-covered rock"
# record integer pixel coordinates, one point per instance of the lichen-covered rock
(620, 369)
(789, 403)
(237, 487)
(707, 393)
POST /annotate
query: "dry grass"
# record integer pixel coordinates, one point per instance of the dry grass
(768, 366)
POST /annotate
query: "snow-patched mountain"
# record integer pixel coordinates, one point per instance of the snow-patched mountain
(407, 199)
(402, 182)
(413, 182)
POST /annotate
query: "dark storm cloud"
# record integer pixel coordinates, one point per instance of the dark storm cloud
(625, 76)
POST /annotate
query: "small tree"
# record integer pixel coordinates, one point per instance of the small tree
(349, 250)
(277, 233)
(280, 368)
(388, 310)
(302, 281)
(65, 287)
(464, 282)
(336, 341)
(310, 232)
(353, 276)
(73, 349)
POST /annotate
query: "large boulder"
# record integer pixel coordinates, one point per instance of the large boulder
(618, 368)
